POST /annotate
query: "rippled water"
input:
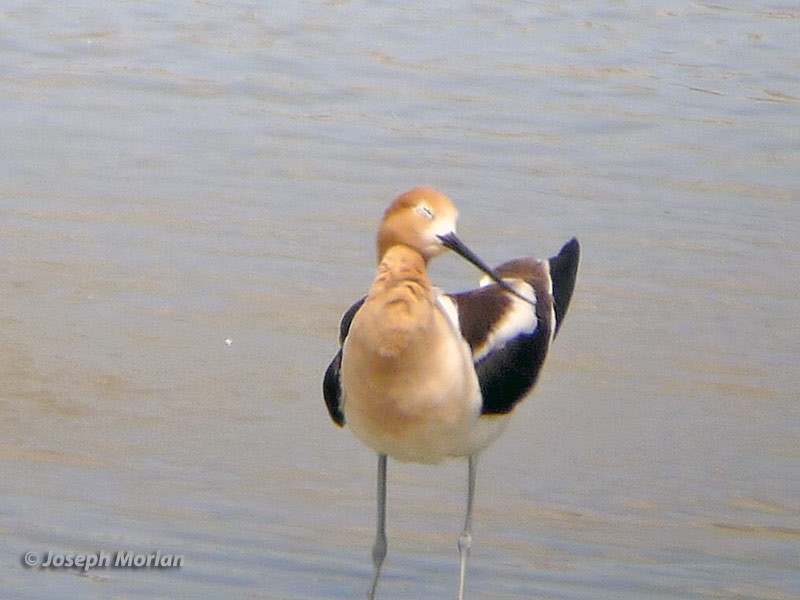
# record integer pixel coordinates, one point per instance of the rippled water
(175, 176)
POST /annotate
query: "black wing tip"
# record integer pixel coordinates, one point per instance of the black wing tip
(564, 272)
(331, 384)
(332, 390)
(572, 249)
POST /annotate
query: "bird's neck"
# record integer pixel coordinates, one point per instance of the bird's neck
(400, 265)
(402, 300)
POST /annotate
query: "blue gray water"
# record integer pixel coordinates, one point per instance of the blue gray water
(175, 175)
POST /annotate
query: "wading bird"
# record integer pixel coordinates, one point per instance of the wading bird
(422, 376)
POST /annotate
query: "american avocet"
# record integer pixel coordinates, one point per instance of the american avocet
(421, 375)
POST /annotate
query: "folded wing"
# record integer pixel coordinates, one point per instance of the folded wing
(510, 338)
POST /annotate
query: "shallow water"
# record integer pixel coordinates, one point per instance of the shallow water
(177, 176)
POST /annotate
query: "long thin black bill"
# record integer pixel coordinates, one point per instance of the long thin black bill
(451, 241)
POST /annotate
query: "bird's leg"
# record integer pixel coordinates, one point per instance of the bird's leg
(379, 548)
(465, 540)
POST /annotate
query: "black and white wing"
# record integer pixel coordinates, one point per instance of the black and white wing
(331, 383)
(509, 337)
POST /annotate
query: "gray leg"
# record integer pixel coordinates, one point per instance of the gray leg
(465, 540)
(379, 548)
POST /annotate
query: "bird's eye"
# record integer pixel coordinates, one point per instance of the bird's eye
(425, 211)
